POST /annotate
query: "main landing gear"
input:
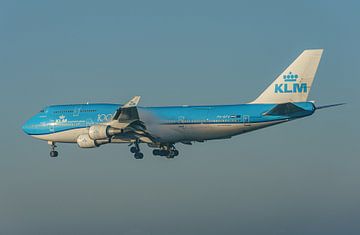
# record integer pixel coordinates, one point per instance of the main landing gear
(136, 151)
(53, 153)
(168, 151)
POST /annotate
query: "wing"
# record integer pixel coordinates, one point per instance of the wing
(127, 119)
(128, 111)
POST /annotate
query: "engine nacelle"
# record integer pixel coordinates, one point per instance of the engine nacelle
(99, 132)
(84, 141)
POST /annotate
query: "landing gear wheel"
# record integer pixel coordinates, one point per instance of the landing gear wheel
(54, 153)
(170, 156)
(172, 153)
(156, 152)
(138, 155)
(164, 153)
(133, 149)
(168, 151)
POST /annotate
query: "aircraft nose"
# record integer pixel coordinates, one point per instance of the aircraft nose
(30, 125)
(26, 127)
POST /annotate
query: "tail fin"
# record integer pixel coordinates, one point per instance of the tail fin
(294, 84)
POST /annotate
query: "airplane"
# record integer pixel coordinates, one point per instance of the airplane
(93, 125)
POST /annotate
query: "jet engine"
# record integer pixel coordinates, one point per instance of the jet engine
(84, 141)
(99, 132)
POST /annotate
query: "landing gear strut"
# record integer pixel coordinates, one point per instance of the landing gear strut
(168, 151)
(53, 153)
(136, 151)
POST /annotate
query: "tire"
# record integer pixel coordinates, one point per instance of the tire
(170, 156)
(139, 155)
(133, 149)
(54, 154)
(156, 152)
(164, 153)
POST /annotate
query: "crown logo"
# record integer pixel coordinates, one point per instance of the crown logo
(62, 119)
(290, 77)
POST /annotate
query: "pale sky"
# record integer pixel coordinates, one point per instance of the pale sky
(297, 178)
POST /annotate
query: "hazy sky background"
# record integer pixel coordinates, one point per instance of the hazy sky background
(297, 178)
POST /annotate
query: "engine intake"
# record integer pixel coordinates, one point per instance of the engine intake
(99, 132)
(84, 141)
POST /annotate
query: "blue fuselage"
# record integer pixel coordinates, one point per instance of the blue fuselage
(63, 123)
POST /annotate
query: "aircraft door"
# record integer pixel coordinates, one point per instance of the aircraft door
(76, 111)
(181, 120)
(52, 125)
(89, 122)
(246, 120)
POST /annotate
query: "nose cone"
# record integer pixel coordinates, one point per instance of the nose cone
(27, 127)
(36, 125)
(32, 126)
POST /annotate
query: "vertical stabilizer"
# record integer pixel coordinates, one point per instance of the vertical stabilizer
(294, 84)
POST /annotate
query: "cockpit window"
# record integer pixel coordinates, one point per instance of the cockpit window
(41, 111)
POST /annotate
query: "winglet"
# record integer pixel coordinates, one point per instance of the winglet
(132, 103)
(131, 112)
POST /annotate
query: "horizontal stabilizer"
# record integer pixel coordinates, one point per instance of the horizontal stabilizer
(286, 109)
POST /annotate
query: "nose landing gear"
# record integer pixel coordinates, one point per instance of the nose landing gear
(53, 153)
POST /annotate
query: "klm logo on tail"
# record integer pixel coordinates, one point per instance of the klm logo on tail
(290, 85)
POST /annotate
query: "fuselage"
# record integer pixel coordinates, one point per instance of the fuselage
(171, 124)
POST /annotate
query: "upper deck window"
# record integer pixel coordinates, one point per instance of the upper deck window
(88, 111)
(63, 111)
